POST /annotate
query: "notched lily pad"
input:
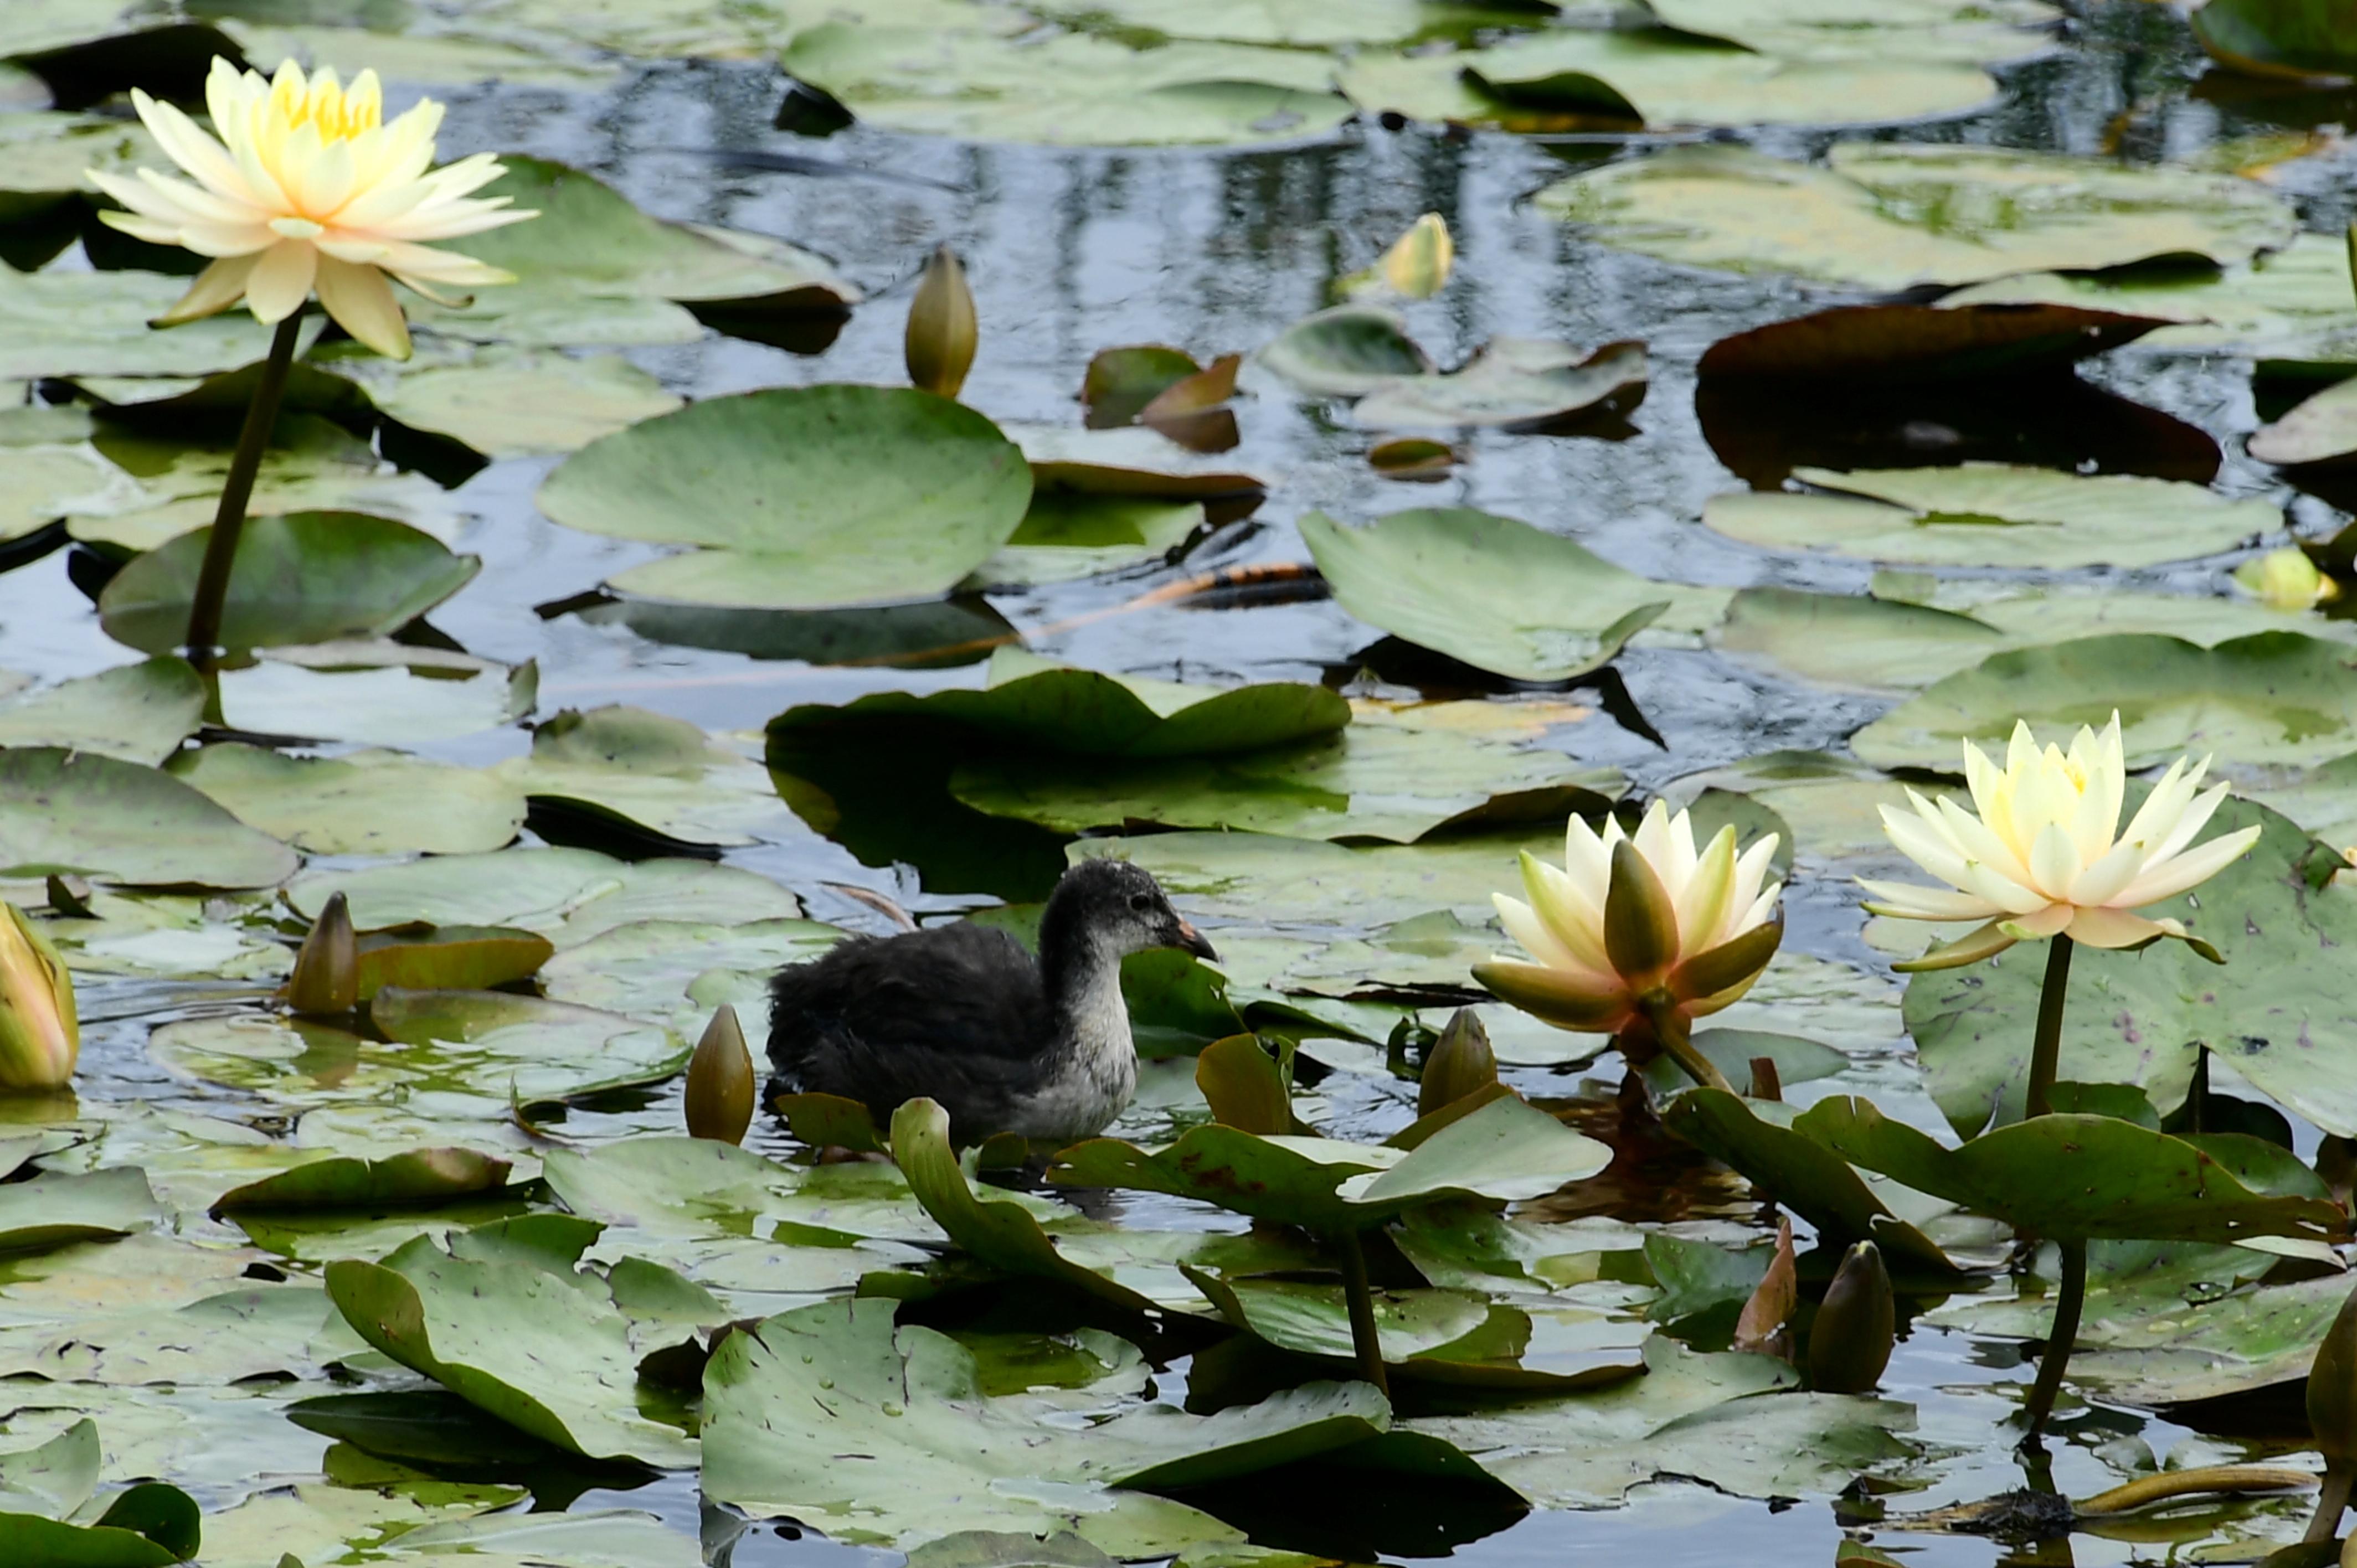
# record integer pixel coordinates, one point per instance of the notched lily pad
(80, 814)
(419, 1179)
(134, 713)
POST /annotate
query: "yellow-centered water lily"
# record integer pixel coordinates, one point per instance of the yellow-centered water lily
(2045, 856)
(1635, 928)
(40, 1034)
(309, 187)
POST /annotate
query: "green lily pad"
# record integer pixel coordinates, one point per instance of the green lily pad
(482, 1049)
(593, 269)
(1978, 31)
(134, 713)
(449, 958)
(1067, 89)
(1489, 591)
(1347, 351)
(304, 577)
(520, 1341)
(997, 1233)
(678, 971)
(375, 693)
(95, 323)
(424, 1177)
(254, 1331)
(648, 770)
(788, 1404)
(1852, 343)
(51, 1210)
(2072, 1177)
(51, 1479)
(363, 803)
(806, 497)
(1264, 881)
(1370, 780)
(1718, 1419)
(680, 1187)
(566, 895)
(117, 821)
(150, 1526)
(512, 405)
(1510, 381)
(1757, 1139)
(2143, 1018)
(52, 469)
(2277, 697)
(2323, 429)
(1129, 460)
(2299, 38)
(1066, 535)
(1889, 216)
(1992, 514)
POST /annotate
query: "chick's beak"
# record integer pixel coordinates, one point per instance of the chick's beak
(1192, 941)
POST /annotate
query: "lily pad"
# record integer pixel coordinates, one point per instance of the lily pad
(512, 405)
(363, 803)
(1993, 514)
(2276, 697)
(807, 498)
(2143, 1019)
(1513, 381)
(678, 971)
(651, 770)
(51, 1210)
(254, 1331)
(1068, 535)
(2074, 1178)
(593, 269)
(375, 693)
(80, 323)
(449, 958)
(1370, 780)
(1347, 351)
(885, 1438)
(311, 576)
(1852, 343)
(1130, 460)
(516, 1340)
(425, 1178)
(566, 895)
(53, 1478)
(95, 816)
(1889, 216)
(1067, 89)
(134, 713)
(1489, 591)
(2323, 429)
(2305, 39)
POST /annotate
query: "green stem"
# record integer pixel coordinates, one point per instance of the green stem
(1356, 1291)
(2057, 1355)
(1670, 1031)
(237, 489)
(2197, 1093)
(2325, 1522)
(2047, 1054)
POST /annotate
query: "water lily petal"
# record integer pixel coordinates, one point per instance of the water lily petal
(2101, 883)
(2188, 871)
(1543, 993)
(2037, 923)
(281, 280)
(1906, 901)
(361, 302)
(2099, 927)
(1702, 904)
(2054, 862)
(1971, 948)
(217, 288)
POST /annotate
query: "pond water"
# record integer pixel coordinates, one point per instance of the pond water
(1070, 251)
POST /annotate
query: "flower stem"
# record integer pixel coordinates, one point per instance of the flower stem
(1670, 1030)
(237, 489)
(1362, 1312)
(2057, 1355)
(2046, 1055)
(2325, 1522)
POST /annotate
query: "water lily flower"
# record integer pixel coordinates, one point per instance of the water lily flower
(40, 1034)
(307, 188)
(2044, 855)
(1639, 933)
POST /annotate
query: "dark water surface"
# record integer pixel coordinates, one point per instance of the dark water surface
(1069, 251)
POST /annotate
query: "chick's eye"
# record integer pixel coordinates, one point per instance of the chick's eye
(1140, 902)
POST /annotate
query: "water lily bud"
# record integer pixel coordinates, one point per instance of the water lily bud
(720, 1081)
(1457, 1064)
(943, 331)
(2332, 1391)
(1849, 1345)
(326, 978)
(1419, 261)
(2287, 580)
(40, 1034)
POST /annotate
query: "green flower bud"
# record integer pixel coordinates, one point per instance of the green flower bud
(943, 331)
(326, 978)
(720, 1081)
(40, 1034)
(1459, 1063)
(1849, 1344)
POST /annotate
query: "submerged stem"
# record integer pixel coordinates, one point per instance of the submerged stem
(2067, 1306)
(237, 489)
(2046, 1054)
(1361, 1299)
(2325, 1523)
(1670, 1030)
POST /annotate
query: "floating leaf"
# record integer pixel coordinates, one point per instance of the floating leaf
(806, 497)
(2323, 429)
(2277, 697)
(1129, 461)
(1348, 351)
(649, 770)
(1993, 514)
(81, 323)
(1873, 343)
(2305, 39)
(1066, 535)
(1513, 381)
(134, 713)
(674, 971)
(94, 816)
(1493, 592)
(52, 1210)
(51, 1479)
(363, 803)
(375, 693)
(311, 576)
(511, 405)
(425, 1178)
(1889, 215)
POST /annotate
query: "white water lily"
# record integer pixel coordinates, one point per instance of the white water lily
(2044, 855)
(307, 188)
(1632, 924)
